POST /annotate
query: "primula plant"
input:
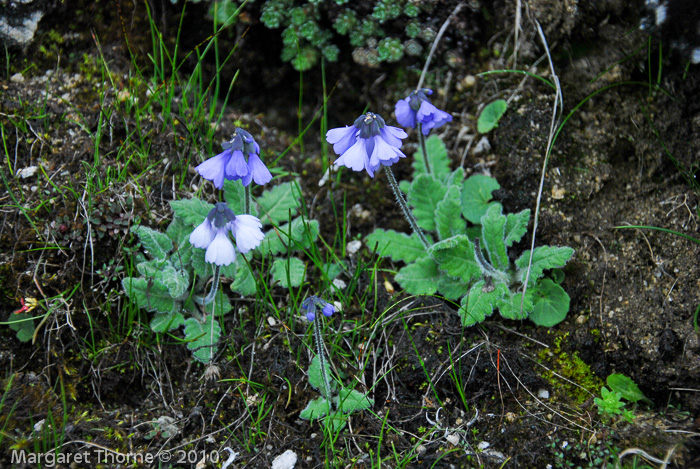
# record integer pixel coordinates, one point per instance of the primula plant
(468, 238)
(336, 400)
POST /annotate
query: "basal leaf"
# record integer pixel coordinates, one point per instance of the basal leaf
(191, 211)
(152, 267)
(476, 194)
(493, 225)
(397, 246)
(424, 196)
(278, 203)
(288, 272)
(452, 288)
(234, 194)
(448, 221)
(179, 232)
(166, 322)
(149, 294)
(316, 378)
(420, 277)
(295, 236)
(315, 409)
(437, 158)
(627, 388)
(516, 226)
(543, 258)
(177, 281)
(481, 301)
(349, 400)
(455, 256)
(512, 306)
(551, 304)
(202, 337)
(156, 244)
(490, 115)
(243, 278)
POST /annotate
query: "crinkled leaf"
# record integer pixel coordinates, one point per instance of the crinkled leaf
(315, 409)
(156, 244)
(349, 400)
(490, 115)
(234, 194)
(397, 246)
(627, 388)
(202, 337)
(551, 303)
(220, 306)
(153, 267)
(510, 305)
(437, 157)
(516, 226)
(493, 225)
(481, 301)
(191, 211)
(277, 203)
(179, 232)
(153, 297)
(243, 278)
(425, 194)
(288, 272)
(177, 281)
(316, 378)
(420, 277)
(277, 239)
(455, 256)
(476, 194)
(543, 258)
(448, 219)
(452, 288)
(165, 322)
(332, 269)
(456, 177)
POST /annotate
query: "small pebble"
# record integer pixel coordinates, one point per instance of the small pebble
(354, 246)
(483, 445)
(453, 439)
(286, 460)
(543, 394)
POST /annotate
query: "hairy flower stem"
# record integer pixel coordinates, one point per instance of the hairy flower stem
(486, 268)
(318, 338)
(214, 286)
(404, 207)
(246, 203)
(421, 139)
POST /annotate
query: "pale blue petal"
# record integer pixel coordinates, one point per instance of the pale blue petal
(203, 235)
(221, 250)
(405, 116)
(342, 138)
(214, 169)
(247, 231)
(261, 175)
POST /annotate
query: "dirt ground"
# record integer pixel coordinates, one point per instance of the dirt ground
(627, 155)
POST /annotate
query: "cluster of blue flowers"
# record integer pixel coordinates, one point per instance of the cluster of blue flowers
(369, 143)
(313, 303)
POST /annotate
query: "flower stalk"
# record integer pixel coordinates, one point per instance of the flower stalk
(404, 207)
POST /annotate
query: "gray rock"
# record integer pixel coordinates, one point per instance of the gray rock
(19, 20)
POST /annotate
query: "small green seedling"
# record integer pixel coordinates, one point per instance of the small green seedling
(490, 115)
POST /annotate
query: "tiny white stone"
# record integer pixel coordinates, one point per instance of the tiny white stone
(286, 460)
(338, 283)
(27, 172)
(420, 449)
(483, 146)
(17, 78)
(354, 246)
(453, 439)
(483, 445)
(271, 321)
(543, 394)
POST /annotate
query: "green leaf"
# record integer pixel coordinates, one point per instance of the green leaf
(476, 194)
(420, 277)
(510, 305)
(627, 388)
(166, 322)
(277, 203)
(516, 226)
(243, 279)
(234, 194)
(202, 337)
(490, 115)
(397, 246)
(551, 304)
(179, 232)
(437, 157)
(332, 269)
(316, 378)
(315, 409)
(452, 288)
(481, 301)
(277, 240)
(448, 221)
(543, 258)
(220, 306)
(23, 325)
(201, 267)
(153, 297)
(425, 194)
(349, 400)
(177, 281)
(288, 272)
(153, 267)
(156, 244)
(455, 256)
(493, 225)
(191, 211)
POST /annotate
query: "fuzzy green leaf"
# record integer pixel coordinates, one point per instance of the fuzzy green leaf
(551, 304)
(397, 246)
(420, 277)
(425, 194)
(153, 297)
(179, 232)
(455, 256)
(627, 388)
(490, 115)
(448, 221)
(202, 338)
(437, 157)
(452, 288)
(243, 279)
(516, 226)
(476, 194)
(316, 378)
(493, 225)
(349, 400)
(177, 281)
(153, 267)
(23, 325)
(288, 272)
(156, 244)
(277, 203)
(510, 305)
(481, 301)
(234, 194)
(315, 409)
(191, 211)
(543, 258)
(303, 234)
(165, 322)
